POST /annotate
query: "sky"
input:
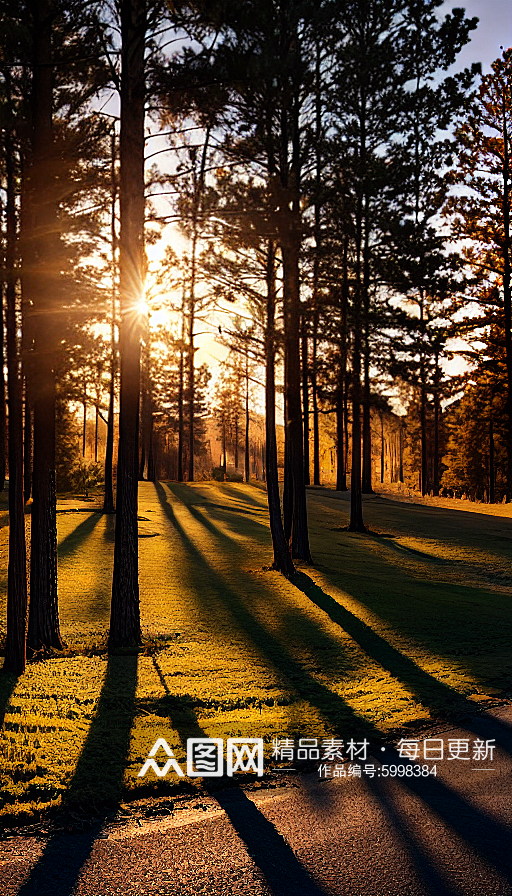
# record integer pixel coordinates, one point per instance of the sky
(494, 30)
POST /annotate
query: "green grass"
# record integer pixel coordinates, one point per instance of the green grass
(388, 631)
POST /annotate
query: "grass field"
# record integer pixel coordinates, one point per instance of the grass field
(388, 631)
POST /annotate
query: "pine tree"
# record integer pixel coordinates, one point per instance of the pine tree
(482, 212)
(420, 269)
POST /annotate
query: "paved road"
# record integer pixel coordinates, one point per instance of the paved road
(430, 836)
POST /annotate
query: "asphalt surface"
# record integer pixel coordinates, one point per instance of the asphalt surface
(448, 835)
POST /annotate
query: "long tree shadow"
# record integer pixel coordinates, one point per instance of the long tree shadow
(432, 692)
(454, 526)
(100, 770)
(465, 819)
(72, 542)
(437, 696)
(283, 872)
(256, 531)
(225, 513)
(434, 881)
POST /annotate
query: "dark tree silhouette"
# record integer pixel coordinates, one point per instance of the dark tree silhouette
(125, 632)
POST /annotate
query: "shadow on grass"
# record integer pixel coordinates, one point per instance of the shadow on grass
(256, 531)
(224, 513)
(283, 871)
(428, 689)
(71, 542)
(487, 836)
(96, 787)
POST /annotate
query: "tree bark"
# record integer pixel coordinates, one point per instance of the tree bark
(299, 534)
(3, 432)
(314, 390)
(305, 396)
(507, 307)
(247, 469)
(282, 559)
(367, 420)
(356, 501)
(196, 208)
(125, 631)
(40, 262)
(181, 390)
(436, 426)
(382, 448)
(108, 500)
(27, 443)
(342, 387)
(15, 646)
(491, 460)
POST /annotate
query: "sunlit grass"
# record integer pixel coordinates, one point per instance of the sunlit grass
(384, 633)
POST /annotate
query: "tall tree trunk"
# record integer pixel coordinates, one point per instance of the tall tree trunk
(96, 423)
(341, 479)
(15, 650)
(491, 460)
(27, 443)
(436, 426)
(423, 401)
(342, 385)
(108, 500)
(40, 262)
(125, 632)
(367, 420)
(84, 421)
(288, 482)
(196, 208)
(152, 447)
(366, 477)
(314, 389)
(191, 385)
(507, 252)
(247, 418)
(382, 448)
(223, 458)
(305, 396)
(144, 412)
(3, 433)
(423, 428)
(401, 450)
(181, 391)
(299, 535)
(282, 558)
(356, 501)
(317, 231)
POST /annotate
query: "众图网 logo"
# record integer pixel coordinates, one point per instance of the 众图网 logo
(205, 757)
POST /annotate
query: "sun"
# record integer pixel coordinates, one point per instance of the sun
(143, 307)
